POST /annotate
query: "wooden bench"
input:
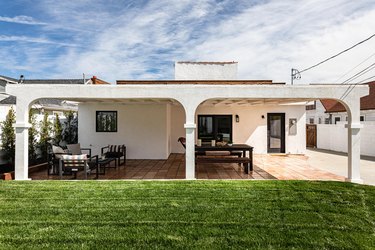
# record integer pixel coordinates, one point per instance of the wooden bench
(246, 161)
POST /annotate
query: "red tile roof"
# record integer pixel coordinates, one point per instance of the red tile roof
(367, 102)
(96, 80)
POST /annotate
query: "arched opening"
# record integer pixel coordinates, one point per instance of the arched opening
(329, 137)
(148, 127)
(275, 128)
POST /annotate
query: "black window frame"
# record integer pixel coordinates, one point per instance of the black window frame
(215, 127)
(99, 117)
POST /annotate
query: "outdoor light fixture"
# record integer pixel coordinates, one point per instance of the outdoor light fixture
(237, 118)
(262, 116)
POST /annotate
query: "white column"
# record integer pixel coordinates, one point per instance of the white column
(22, 151)
(354, 153)
(190, 151)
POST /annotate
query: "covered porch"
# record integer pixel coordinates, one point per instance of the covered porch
(192, 96)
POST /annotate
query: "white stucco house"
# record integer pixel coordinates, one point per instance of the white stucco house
(316, 113)
(149, 116)
(328, 111)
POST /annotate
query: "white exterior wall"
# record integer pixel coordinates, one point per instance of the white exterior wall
(177, 128)
(204, 71)
(151, 131)
(369, 115)
(332, 137)
(252, 129)
(142, 128)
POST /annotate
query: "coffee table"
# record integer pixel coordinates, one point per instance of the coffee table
(105, 163)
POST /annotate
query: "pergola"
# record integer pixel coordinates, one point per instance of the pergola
(190, 94)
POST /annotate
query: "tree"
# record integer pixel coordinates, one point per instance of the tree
(32, 136)
(57, 130)
(45, 137)
(8, 136)
(70, 130)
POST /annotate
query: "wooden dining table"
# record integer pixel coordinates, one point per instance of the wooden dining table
(247, 154)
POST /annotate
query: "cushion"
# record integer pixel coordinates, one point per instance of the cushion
(115, 148)
(74, 149)
(113, 154)
(76, 160)
(74, 157)
(58, 151)
(218, 153)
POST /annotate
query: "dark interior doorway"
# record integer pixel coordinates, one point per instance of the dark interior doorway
(276, 132)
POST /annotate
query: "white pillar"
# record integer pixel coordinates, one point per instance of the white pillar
(22, 151)
(354, 153)
(190, 151)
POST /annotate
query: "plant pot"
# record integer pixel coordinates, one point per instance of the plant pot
(7, 177)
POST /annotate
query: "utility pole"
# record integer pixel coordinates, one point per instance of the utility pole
(295, 75)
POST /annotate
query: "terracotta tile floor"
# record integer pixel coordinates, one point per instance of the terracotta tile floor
(291, 167)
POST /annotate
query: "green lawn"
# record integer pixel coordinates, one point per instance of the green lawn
(186, 214)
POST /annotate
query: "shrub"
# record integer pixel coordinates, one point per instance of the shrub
(32, 136)
(8, 136)
(70, 130)
(45, 136)
(57, 130)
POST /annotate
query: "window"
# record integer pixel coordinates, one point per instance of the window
(311, 106)
(362, 118)
(337, 119)
(215, 127)
(320, 120)
(106, 121)
(311, 120)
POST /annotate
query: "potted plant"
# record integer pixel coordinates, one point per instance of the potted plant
(230, 143)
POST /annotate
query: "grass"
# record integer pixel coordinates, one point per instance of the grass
(182, 214)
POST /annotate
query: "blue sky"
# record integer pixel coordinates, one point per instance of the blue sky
(140, 39)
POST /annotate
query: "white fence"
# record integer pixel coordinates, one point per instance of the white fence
(335, 137)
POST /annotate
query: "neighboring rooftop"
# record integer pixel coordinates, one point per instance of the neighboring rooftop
(367, 102)
(8, 100)
(94, 80)
(11, 100)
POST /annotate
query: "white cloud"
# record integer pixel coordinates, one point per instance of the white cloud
(141, 41)
(29, 39)
(21, 19)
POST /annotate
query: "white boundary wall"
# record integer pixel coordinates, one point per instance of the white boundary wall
(334, 137)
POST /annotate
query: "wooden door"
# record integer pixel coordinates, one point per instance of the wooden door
(311, 135)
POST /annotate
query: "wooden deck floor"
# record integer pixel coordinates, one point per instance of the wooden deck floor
(266, 167)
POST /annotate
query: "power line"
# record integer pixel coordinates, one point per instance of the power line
(355, 76)
(352, 86)
(360, 73)
(354, 67)
(355, 45)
